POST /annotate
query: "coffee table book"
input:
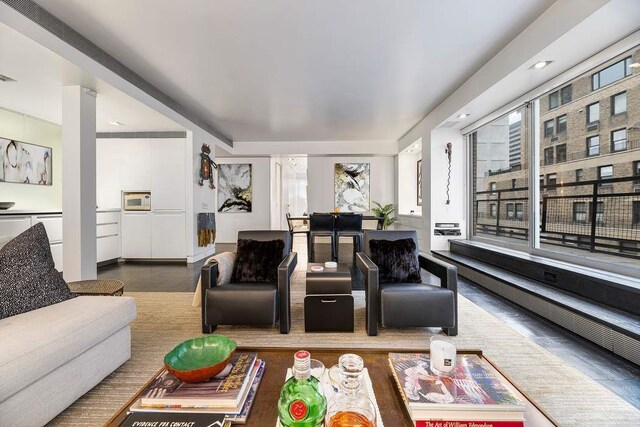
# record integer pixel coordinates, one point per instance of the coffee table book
(223, 391)
(137, 419)
(474, 391)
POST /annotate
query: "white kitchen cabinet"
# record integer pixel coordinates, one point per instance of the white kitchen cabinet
(53, 225)
(135, 169)
(109, 158)
(168, 239)
(10, 227)
(168, 174)
(108, 248)
(136, 235)
(56, 253)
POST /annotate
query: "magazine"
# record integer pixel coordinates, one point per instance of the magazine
(472, 392)
(225, 390)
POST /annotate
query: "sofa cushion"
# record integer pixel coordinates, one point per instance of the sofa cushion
(28, 278)
(397, 260)
(242, 304)
(39, 341)
(257, 261)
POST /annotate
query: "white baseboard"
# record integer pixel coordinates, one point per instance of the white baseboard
(207, 252)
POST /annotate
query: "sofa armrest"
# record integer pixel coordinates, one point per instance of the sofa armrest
(208, 279)
(448, 275)
(285, 271)
(370, 273)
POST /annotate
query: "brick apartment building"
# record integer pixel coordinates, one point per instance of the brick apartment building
(589, 131)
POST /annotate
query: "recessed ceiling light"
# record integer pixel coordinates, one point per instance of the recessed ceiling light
(114, 123)
(4, 78)
(463, 115)
(635, 65)
(540, 64)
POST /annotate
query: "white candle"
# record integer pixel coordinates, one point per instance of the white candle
(443, 355)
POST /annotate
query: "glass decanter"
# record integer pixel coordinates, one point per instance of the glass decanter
(302, 402)
(350, 407)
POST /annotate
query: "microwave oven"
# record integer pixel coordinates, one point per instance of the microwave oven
(136, 200)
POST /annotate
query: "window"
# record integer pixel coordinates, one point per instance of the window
(605, 172)
(562, 123)
(492, 186)
(619, 140)
(593, 113)
(599, 212)
(619, 103)
(514, 183)
(636, 171)
(519, 210)
(493, 210)
(579, 175)
(548, 128)
(565, 94)
(511, 212)
(579, 211)
(551, 181)
(593, 145)
(548, 156)
(611, 74)
(554, 100)
(561, 153)
(635, 215)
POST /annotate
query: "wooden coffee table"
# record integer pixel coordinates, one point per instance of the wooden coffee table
(392, 409)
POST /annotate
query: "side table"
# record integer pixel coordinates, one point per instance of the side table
(97, 287)
(328, 304)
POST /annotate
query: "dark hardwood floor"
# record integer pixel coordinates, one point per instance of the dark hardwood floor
(617, 374)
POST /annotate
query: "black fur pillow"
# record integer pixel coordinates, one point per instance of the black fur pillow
(257, 261)
(397, 260)
(28, 278)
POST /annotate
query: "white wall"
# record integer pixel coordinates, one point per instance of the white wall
(228, 224)
(439, 210)
(408, 183)
(320, 189)
(28, 129)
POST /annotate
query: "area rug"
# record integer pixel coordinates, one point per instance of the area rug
(165, 319)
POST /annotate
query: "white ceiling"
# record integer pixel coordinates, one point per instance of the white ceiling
(40, 75)
(291, 70)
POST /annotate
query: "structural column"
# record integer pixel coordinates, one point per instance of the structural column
(79, 183)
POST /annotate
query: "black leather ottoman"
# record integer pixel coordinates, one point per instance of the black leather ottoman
(328, 306)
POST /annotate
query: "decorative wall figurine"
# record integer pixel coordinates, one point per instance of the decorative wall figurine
(234, 188)
(448, 151)
(207, 165)
(351, 183)
(25, 163)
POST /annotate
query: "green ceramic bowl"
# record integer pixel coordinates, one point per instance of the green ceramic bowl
(199, 359)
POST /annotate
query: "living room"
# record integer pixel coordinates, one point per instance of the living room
(385, 203)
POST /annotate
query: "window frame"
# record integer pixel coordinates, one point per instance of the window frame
(564, 128)
(547, 177)
(588, 108)
(626, 140)
(583, 212)
(589, 138)
(627, 72)
(579, 175)
(511, 211)
(549, 131)
(558, 147)
(600, 178)
(557, 98)
(613, 103)
(567, 88)
(548, 160)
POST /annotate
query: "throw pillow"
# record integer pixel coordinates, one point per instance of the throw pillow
(397, 260)
(225, 262)
(28, 278)
(257, 261)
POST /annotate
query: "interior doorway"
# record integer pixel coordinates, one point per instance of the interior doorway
(294, 187)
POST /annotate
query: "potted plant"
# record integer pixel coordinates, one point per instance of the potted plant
(385, 212)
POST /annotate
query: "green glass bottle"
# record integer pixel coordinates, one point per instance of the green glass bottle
(302, 402)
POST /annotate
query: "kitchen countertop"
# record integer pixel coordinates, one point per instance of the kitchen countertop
(29, 212)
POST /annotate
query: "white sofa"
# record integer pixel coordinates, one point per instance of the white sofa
(51, 356)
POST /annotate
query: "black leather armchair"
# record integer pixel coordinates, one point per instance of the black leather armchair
(250, 303)
(430, 304)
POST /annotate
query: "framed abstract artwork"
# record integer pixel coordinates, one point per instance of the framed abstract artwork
(419, 182)
(25, 163)
(351, 185)
(234, 188)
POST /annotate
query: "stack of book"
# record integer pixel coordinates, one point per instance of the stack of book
(221, 401)
(473, 395)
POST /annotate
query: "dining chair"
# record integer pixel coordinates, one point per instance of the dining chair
(349, 225)
(321, 225)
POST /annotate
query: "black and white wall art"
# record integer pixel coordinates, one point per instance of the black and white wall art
(351, 182)
(234, 188)
(25, 163)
